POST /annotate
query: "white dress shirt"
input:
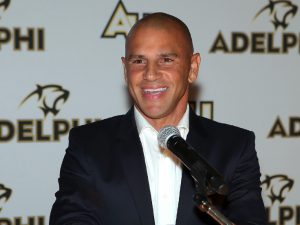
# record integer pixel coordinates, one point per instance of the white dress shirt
(163, 169)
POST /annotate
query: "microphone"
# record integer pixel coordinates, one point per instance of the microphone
(203, 173)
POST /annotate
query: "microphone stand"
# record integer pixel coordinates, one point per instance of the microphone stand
(204, 206)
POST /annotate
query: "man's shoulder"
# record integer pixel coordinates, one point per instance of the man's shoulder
(214, 128)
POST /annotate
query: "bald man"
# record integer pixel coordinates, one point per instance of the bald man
(114, 171)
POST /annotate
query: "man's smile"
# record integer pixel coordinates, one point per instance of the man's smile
(154, 91)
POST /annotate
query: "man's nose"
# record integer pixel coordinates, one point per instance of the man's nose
(151, 72)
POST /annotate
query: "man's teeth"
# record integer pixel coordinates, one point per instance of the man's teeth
(153, 91)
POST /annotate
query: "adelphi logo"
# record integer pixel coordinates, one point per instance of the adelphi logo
(5, 194)
(120, 21)
(49, 100)
(278, 13)
(281, 12)
(276, 188)
(19, 38)
(285, 130)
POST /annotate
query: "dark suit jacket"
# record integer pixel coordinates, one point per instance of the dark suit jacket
(103, 177)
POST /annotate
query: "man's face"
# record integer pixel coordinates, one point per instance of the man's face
(158, 69)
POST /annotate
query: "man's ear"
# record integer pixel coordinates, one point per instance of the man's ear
(124, 68)
(194, 69)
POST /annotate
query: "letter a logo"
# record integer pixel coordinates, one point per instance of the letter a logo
(120, 22)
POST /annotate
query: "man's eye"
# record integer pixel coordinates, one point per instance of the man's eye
(167, 60)
(137, 61)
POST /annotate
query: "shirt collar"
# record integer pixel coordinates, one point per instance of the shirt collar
(142, 123)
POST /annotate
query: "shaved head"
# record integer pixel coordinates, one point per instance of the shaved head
(165, 22)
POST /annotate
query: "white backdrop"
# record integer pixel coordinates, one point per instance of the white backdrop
(65, 48)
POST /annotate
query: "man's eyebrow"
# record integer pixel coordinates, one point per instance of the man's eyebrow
(171, 54)
(135, 57)
(167, 54)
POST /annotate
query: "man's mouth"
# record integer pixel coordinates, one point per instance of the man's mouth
(154, 91)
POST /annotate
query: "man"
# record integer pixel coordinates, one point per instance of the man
(115, 173)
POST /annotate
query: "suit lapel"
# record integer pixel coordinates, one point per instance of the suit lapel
(134, 167)
(187, 210)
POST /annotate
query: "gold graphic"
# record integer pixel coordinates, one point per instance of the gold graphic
(120, 22)
(280, 11)
(49, 97)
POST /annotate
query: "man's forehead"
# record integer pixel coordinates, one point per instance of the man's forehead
(163, 54)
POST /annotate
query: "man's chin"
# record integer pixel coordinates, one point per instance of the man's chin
(155, 114)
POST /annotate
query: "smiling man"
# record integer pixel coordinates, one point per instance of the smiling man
(159, 66)
(114, 172)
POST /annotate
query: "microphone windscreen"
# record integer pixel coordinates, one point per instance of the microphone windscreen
(165, 133)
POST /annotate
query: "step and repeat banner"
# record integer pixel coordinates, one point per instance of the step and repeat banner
(60, 67)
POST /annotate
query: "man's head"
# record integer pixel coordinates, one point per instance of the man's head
(159, 65)
(162, 21)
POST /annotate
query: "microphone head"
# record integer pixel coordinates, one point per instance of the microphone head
(165, 133)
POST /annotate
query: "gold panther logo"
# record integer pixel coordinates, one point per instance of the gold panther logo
(4, 4)
(280, 11)
(5, 194)
(49, 98)
(277, 186)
